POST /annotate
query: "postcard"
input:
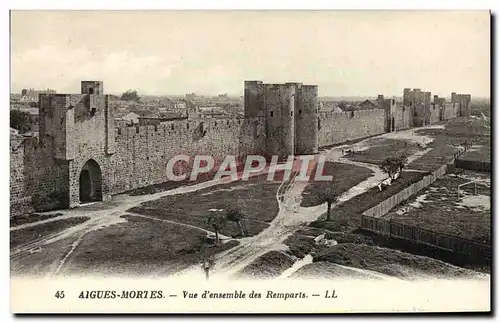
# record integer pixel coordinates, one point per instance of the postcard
(250, 161)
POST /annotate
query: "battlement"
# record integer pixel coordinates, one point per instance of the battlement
(183, 127)
(80, 152)
(350, 114)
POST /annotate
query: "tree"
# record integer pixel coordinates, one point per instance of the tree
(234, 214)
(20, 120)
(329, 196)
(130, 95)
(342, 104)
(217, 221)
(402, 161)
(392, 165)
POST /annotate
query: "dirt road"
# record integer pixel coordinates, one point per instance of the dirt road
(290, 218)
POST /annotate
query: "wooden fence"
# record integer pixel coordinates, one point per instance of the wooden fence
(371, 221)
(392, 229)
(385, 206)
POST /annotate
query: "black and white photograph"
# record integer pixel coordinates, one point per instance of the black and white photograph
(250, 161)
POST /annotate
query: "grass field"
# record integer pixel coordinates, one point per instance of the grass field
(256, 198)
(358, 251)
(382, 148)
(44, 262)
(388, 261)
(302, 242)
(480, 154)
(30, 218)
(347, 216)
(268, 266)
(22, 236)
(481, 106)
(170, 185)
(174, 236)
(344, 177)
(140, 247)
(455, 133)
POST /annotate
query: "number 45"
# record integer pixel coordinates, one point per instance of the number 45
(60, 294)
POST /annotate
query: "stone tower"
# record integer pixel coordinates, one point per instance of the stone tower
(419, 103)
(306, 120)
(389, 106)
(279, 105)
(81, 127)
(290, 112)
(462, 102)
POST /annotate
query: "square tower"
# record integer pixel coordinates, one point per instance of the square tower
(290, 112)
(420, 103)
(92, 87)
(81, 128)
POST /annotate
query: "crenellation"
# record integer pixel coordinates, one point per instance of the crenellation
(81, 156)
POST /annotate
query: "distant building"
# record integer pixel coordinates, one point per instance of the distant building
(208, 108)
(367, 104)
(80, 156)
(180, 105)
(129, 119)
(169, 105)
(348, 107)
(31, 95)
(337, 109)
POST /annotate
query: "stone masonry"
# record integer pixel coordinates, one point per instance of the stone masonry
(80, 156)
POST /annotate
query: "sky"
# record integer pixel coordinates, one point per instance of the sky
(345, 53)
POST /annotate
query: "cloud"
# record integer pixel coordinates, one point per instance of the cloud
(63, 68)
(345, 53)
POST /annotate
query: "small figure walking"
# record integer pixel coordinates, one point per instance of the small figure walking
(208, 263)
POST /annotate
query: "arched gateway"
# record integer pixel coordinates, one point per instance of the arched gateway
(90, 182)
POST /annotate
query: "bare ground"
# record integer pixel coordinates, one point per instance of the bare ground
(437, 208)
